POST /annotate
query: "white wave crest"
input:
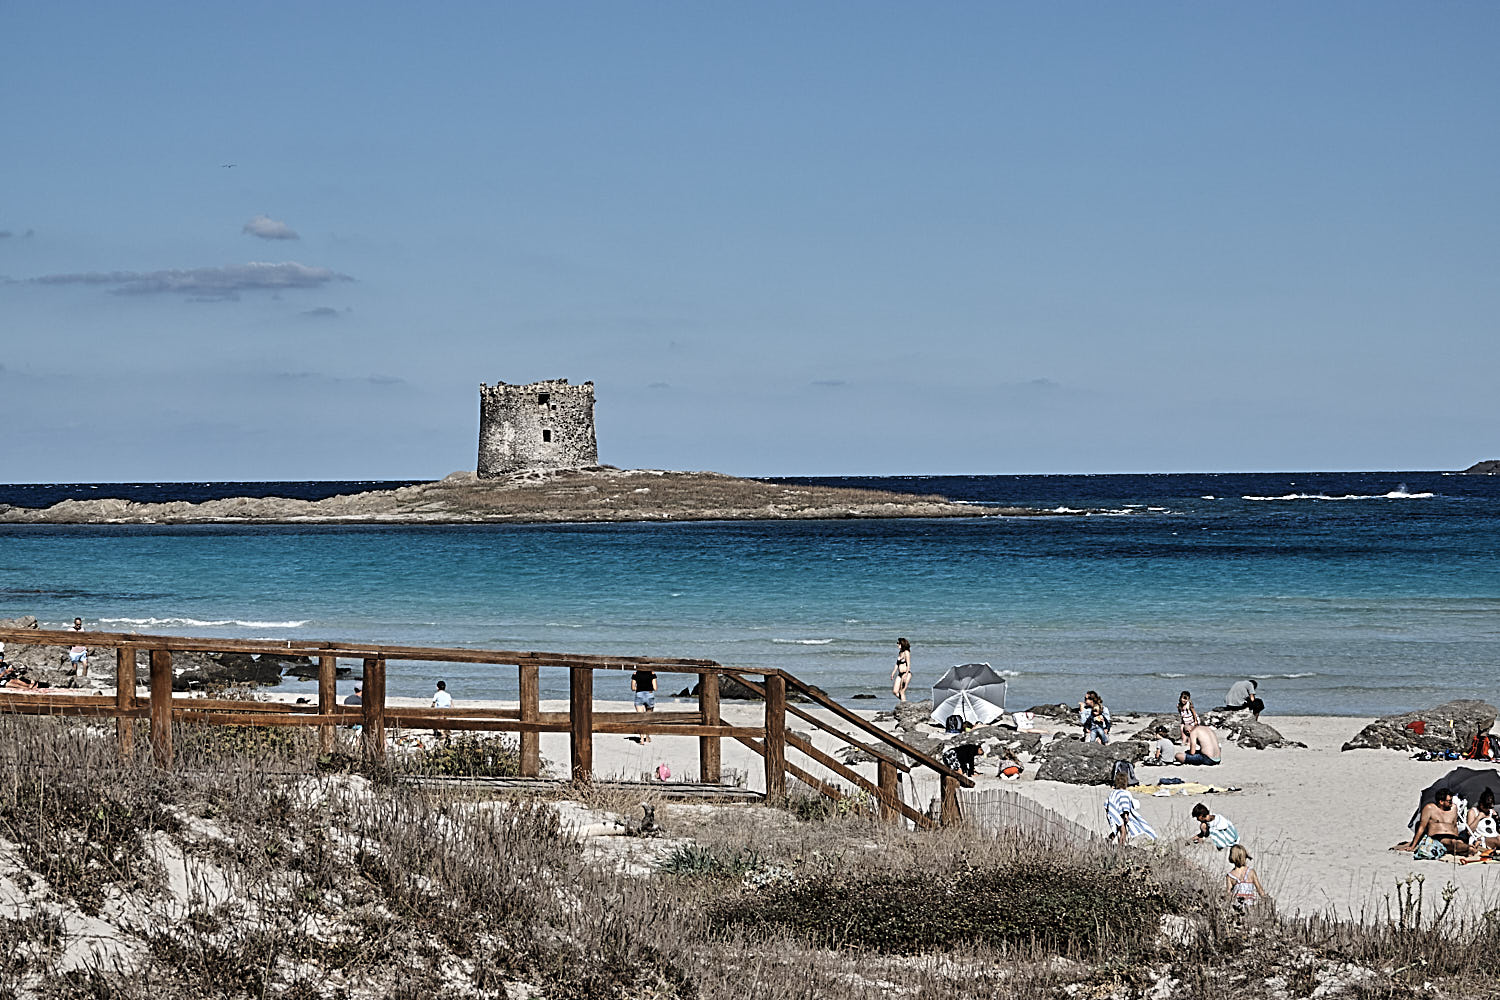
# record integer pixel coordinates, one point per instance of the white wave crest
(1392, 495)
(802, 642)
(1284, 677)
(201, 623)
(1171, 676)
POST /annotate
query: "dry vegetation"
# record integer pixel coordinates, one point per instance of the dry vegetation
(253, 872)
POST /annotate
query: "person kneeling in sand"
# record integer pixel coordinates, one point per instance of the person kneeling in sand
(1202, 748)
(1217, 830)
(1439, 822)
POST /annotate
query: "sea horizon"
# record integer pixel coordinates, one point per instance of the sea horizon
(1342, 593)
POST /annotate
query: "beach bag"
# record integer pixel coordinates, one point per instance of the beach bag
(1429, 850)
(1481, 748)
(955, 724)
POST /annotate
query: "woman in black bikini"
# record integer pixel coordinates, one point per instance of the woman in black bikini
(901, 672)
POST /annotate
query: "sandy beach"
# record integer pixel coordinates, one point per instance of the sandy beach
(1319, 821)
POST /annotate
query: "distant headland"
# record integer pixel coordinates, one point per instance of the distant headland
(1489, 467)
(595, 494)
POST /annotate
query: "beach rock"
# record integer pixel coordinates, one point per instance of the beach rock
(733, 689)
(1242, 729)
(1080, 763)
(1449, 726)
(199, 670)
(303, 667)
(1067, 713)
(1237, 726)
(910, 716)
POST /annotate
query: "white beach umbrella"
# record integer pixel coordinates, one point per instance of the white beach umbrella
(972, 691)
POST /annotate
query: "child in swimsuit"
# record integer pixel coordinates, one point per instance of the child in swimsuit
(1242, 884)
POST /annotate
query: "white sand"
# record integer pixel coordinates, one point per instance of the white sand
(1318, 821)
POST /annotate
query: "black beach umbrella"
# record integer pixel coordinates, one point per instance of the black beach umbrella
(1467, 783)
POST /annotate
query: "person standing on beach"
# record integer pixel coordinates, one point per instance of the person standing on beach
(442, 699)
(1123, 813)
(78, 656)
(643, 683)
(1243, 885)
(1244, 694)
(901, 672)
(1094, 717)
(1187, 713)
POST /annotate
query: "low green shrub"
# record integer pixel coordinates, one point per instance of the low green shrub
(469, 756)
(1064, 905)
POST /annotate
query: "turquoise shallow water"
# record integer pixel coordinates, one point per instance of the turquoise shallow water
(1384, 598)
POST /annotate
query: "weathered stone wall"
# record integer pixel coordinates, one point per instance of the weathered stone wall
(544, 425)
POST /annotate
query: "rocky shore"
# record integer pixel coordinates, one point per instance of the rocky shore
(580, 495)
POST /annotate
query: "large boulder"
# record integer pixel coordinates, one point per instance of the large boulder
(201, 670)
(731, 688)
(1449, 726)
(1237, 726)
(1080, 763)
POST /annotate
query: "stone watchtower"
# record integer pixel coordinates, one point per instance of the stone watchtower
(544, 425)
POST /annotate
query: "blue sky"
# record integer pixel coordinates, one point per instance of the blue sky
(780, 238)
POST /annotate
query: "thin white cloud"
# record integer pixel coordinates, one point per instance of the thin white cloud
(204, 282)
(268, 228)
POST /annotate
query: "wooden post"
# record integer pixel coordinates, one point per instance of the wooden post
(950, 813)
(531, 743)
(328, 699)
(374, 706)
(125, 699)
(161, 707)
(709, 747)
(581, 722)
(889, 795)
(775, 759)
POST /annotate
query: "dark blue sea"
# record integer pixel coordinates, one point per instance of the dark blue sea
(1343, 593)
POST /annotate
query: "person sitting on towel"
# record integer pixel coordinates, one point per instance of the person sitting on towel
(1483, 832)
(1439, 821)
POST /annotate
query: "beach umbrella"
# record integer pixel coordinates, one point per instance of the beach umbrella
(1467, 783)
(972, 691)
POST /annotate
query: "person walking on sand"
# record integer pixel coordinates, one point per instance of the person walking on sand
(1188, 714)
(901, 672)
(1241, 883)
(643, 683)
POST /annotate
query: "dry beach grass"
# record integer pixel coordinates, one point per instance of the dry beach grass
(250, 872)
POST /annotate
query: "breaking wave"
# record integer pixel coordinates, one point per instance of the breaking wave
(198, 622)
(802, 642)
(1392, 495)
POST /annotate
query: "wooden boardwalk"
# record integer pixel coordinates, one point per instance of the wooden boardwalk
(771, 740)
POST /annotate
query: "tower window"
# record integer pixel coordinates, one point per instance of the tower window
(546, 436)
(543, 398)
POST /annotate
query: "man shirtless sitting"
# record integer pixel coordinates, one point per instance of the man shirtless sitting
(1439, 820)
(1202, 748)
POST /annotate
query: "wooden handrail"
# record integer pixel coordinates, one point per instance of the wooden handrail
(880, 734)
(770, 739)
(355, 651)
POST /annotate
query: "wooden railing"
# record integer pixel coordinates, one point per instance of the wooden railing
(770, 740)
